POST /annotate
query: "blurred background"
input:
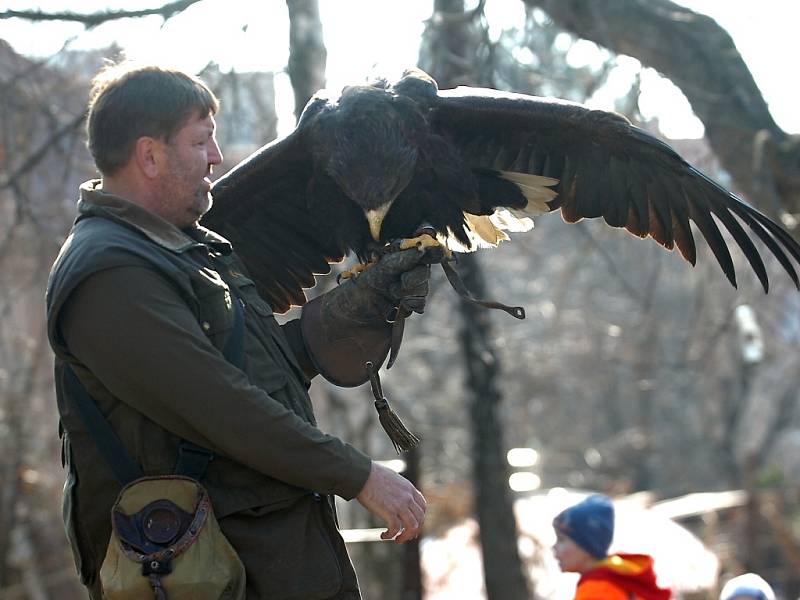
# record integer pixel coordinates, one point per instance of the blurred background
(633, 375)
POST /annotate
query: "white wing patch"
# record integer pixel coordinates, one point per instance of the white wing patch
(535, 188)
(486, 231)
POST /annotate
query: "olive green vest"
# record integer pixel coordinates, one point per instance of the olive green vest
(99, 241)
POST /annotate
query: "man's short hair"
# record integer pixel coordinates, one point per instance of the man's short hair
(128, 101)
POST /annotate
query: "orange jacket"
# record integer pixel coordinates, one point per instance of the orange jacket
(621, 577)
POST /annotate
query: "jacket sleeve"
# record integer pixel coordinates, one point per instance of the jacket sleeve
(133, 331)
(294, 335)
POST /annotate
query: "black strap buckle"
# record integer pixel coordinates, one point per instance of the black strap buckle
(192, 460)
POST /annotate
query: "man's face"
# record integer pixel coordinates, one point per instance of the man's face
(571, 557)
(183, 185)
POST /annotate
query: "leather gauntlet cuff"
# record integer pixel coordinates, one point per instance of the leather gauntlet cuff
(340, 347)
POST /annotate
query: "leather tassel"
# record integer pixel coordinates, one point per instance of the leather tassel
(158, 590)
(402, 439)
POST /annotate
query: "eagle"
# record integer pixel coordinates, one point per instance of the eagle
(383, 161)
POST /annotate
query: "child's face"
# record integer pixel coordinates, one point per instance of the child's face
(571, 557)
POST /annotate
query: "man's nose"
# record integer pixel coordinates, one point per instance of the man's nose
(214, 153)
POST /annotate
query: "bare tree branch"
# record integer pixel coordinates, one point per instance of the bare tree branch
(700, 58)
(307, 54)
(40, 153)
(613, 267)
(90, 20)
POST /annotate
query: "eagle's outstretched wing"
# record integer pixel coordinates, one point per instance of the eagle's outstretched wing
(607, 168)
(298, 204)
(262, 208)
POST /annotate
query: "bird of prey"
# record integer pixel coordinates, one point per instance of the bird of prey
(379, 161)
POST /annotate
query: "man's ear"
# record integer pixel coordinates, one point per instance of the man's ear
(147, 154)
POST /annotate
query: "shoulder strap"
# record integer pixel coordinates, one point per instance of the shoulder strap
(192, 459)
(125, 469)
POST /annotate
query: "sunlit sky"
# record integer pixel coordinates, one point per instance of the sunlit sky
(364, 37)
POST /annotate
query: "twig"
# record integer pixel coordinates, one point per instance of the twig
(613, 267)
(40, 153)
(90, 20)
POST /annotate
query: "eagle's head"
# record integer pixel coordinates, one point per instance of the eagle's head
(369, 150)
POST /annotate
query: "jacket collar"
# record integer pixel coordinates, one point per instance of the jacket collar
(95, 202)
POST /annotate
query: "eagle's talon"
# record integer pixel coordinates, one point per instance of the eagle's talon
(354, 272)
(420, 242)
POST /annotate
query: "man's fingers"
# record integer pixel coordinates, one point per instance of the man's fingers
(412, 518)
(390, 533)
(394, 525)
(410, 530)
(405, 536)
(419, 512)
(406, 525)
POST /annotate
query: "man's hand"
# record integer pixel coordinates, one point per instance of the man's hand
(394, 499)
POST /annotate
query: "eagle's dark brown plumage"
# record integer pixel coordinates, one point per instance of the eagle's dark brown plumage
(407, 155)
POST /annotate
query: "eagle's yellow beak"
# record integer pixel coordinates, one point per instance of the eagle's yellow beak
(375, 220)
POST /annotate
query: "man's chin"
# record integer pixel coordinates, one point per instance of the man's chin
(203, 205)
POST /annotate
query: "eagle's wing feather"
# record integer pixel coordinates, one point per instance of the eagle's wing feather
(262, 208)
(605, 167)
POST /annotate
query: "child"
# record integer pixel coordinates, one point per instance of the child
(747, 587)
(584, 533)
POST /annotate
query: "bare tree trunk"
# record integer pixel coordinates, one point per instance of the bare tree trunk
(700, 58)
(502, 566)
(22, 373)
(9, 478)
(452, 43)
(412, 568)
(307, 53)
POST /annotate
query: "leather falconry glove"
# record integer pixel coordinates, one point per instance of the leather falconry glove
(351, 325)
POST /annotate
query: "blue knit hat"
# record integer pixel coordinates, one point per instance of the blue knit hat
(749, 585)
(590, 524)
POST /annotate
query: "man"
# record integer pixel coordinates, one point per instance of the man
(141, 302)
(583, 536)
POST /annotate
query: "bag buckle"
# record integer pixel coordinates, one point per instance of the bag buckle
(192, 460)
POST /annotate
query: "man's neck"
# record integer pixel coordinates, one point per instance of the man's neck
(129, 189)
